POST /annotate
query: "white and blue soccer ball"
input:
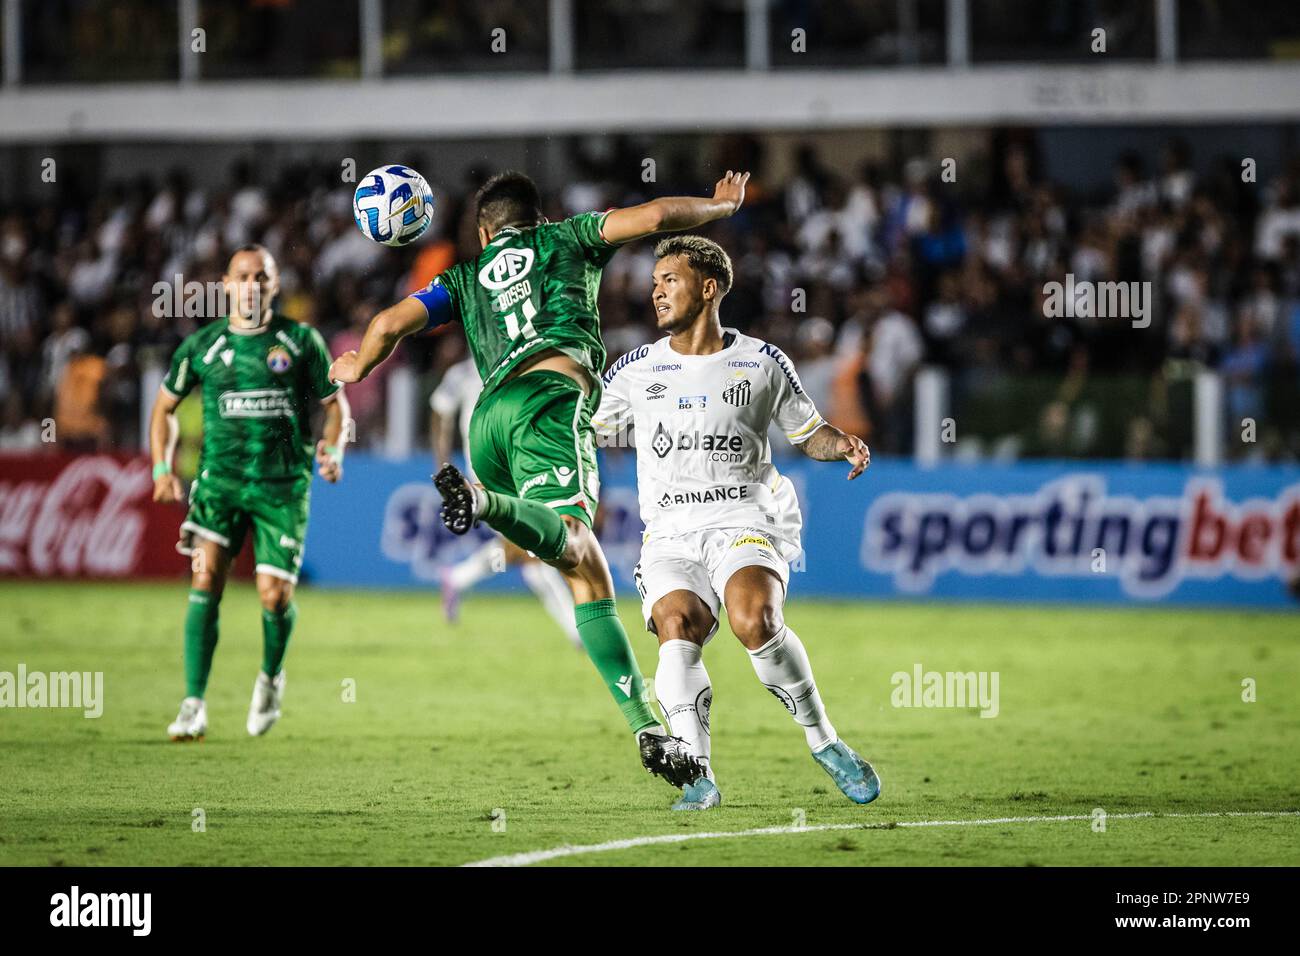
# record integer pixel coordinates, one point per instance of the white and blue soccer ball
(393, 205)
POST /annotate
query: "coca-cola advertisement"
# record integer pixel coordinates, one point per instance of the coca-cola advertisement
(87, 516)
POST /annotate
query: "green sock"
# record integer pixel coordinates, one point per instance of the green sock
(276, 628)
(530, 524)
(200, 640)
(607, 645)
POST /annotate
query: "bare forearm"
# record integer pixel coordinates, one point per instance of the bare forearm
(824, 444)
(164, 432)
(337, 414)
(385, 331)
(675, 213)
(380, 339)
(828, 443)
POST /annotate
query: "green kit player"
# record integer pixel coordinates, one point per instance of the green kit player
(528, 307)
(260, 375)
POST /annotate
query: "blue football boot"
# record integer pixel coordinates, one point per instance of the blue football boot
(700, 795)
(851, 773)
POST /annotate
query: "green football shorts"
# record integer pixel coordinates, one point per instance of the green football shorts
(222, 509)
(531, 437)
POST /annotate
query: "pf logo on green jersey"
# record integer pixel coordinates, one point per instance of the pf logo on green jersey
(506, 268)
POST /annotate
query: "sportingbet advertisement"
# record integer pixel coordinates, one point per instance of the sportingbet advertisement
(1025, 532)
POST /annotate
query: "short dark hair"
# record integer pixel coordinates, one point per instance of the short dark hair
(703, 255)
(252, 247)
(509, 199)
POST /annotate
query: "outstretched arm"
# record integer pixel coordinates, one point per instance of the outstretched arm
(673, 213)
(382, 335)
(828, 443)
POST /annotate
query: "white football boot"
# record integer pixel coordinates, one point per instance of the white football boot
(192, 721)
(264, 710)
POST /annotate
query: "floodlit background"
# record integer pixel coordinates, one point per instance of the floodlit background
(1098, 511)
(923, 170)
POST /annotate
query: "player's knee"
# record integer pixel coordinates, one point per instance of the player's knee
(679, 625)
(208, 581)
(578, 545)
(275, 594)
(756, 624)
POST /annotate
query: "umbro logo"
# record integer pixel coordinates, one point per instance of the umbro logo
(624, 684)
(228, 356)
(656, 390)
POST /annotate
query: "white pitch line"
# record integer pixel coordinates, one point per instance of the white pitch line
(540, 856)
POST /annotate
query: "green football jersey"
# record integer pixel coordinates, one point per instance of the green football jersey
(530, 290)
(256, 394)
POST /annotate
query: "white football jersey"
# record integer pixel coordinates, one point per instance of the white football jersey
(699, 423)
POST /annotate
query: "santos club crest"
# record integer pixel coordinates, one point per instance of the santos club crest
(737, 393)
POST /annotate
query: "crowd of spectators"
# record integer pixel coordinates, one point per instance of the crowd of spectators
(861, 279)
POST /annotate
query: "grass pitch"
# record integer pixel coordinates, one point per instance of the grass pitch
(494, 737)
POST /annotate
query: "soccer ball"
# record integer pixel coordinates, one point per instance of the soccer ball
(393, 205)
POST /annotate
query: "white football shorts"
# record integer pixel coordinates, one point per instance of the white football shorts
(703, 561)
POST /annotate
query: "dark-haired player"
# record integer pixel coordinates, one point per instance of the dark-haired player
(722, 523)
(260, 374)
(528, 306)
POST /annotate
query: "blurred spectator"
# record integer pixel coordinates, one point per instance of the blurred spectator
(65, 340)
(18, 433)
(20, 299)
(862, 279)
(1142, 443)
(945, 321)
(1243, 373)
(851, 402)
(1280, 219)
(815, 358)
(78, 406)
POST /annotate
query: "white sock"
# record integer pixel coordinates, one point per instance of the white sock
(485, 561)
(782, 665)
(553, 591)
(686, 696)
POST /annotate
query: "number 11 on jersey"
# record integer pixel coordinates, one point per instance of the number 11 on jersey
(512, 322)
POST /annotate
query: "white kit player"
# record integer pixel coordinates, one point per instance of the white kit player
(452, 403)
(721, 523)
